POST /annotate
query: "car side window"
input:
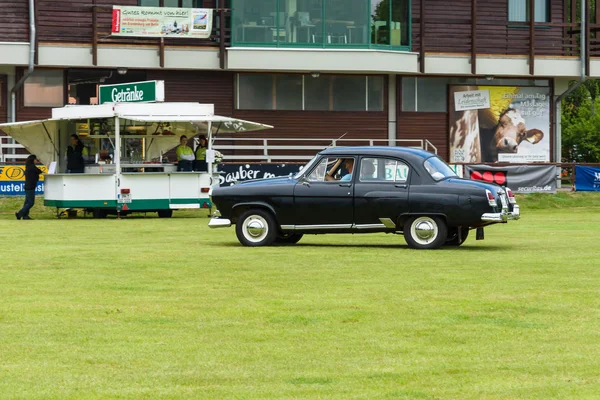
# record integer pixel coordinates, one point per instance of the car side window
(383, 170)
(332, 169)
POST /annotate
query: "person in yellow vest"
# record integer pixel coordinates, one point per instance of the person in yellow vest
(200, 163)
(185, 155)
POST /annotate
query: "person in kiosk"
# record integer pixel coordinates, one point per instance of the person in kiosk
(200, 163)
(185, 155)
(75, 153)
(32, 176)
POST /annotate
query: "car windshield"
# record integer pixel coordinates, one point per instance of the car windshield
(438, 169)
(307, 166)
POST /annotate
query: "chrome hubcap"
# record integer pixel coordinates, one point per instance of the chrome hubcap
(424, 230)
(255, 228)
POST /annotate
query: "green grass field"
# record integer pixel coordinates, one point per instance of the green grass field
(166, 308)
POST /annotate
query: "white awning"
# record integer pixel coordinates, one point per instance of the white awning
(220, 124)
(38, 137)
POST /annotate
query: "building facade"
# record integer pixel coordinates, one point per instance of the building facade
(366, 71)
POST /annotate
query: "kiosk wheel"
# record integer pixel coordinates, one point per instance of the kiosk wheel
(165, 213)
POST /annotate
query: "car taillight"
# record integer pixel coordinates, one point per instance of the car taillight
(491, 198)
(511, 196)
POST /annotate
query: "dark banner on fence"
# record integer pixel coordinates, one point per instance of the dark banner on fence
(520, 178)
(587, 179)
(231, 173)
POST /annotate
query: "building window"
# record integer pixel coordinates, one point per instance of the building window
(322, 23)
(171, 3)
(44, 88)
(303, 92)
(518, 10)
(425, 94)
(431, 94)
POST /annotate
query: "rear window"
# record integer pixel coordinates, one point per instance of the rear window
(438, 169)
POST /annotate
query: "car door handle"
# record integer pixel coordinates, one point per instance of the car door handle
(345, 184)
(402, 186)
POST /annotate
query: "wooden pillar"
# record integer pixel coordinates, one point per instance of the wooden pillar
(531, 37)
(221, 7)
(422, 33)
(587, 37)
(474, 37)
(162, 52)
(94, 34)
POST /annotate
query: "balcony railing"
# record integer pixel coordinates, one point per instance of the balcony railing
(296, 149)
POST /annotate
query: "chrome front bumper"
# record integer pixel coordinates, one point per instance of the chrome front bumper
(219, 223)
(503, 216)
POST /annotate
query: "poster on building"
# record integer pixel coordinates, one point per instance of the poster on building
(472, 100)
(165, 22)
(12, 180)
(514, 128)
(519, 178)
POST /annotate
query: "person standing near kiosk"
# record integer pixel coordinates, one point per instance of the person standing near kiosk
(185, 156)
(32, 176)
(200, 163)
(75, 153)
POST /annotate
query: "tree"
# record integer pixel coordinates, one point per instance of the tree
(581, 132)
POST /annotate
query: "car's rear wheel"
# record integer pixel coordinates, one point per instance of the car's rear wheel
(256, 227)
(288, 238)
(425, 232)
(453, 240)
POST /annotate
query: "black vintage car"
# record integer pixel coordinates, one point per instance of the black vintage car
(363, 190)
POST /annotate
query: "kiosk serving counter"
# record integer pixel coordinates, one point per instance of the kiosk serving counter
(126, 142)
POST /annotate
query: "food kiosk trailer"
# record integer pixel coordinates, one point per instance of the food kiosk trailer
(126, 171)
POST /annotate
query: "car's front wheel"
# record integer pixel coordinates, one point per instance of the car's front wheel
(453, 239)
(256, 227)
(288, 238)
(424, 232)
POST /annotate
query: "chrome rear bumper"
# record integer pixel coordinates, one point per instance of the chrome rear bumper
(219, 223)
(503, 216)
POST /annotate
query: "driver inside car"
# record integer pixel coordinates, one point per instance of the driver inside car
(348, 165)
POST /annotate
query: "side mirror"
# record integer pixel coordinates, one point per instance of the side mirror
(305, 181)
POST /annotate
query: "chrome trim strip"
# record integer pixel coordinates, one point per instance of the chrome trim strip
(219, 223)
(319, 227)
(288, 227)
(388, 223)
(369, 226)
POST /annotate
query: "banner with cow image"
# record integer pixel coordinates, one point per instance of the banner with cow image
(513, 128)
(520, 178)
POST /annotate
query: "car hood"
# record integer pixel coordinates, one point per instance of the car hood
(280, 180)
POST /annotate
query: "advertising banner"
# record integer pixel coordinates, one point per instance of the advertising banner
(231, 173)
(520, 178)
(12, 180)
(164, 22)
(587, 179)
(499, 123)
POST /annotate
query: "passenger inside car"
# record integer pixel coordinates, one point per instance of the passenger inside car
(367, 169)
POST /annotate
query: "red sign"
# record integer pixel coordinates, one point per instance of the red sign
(498, 177)
(116, 20)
